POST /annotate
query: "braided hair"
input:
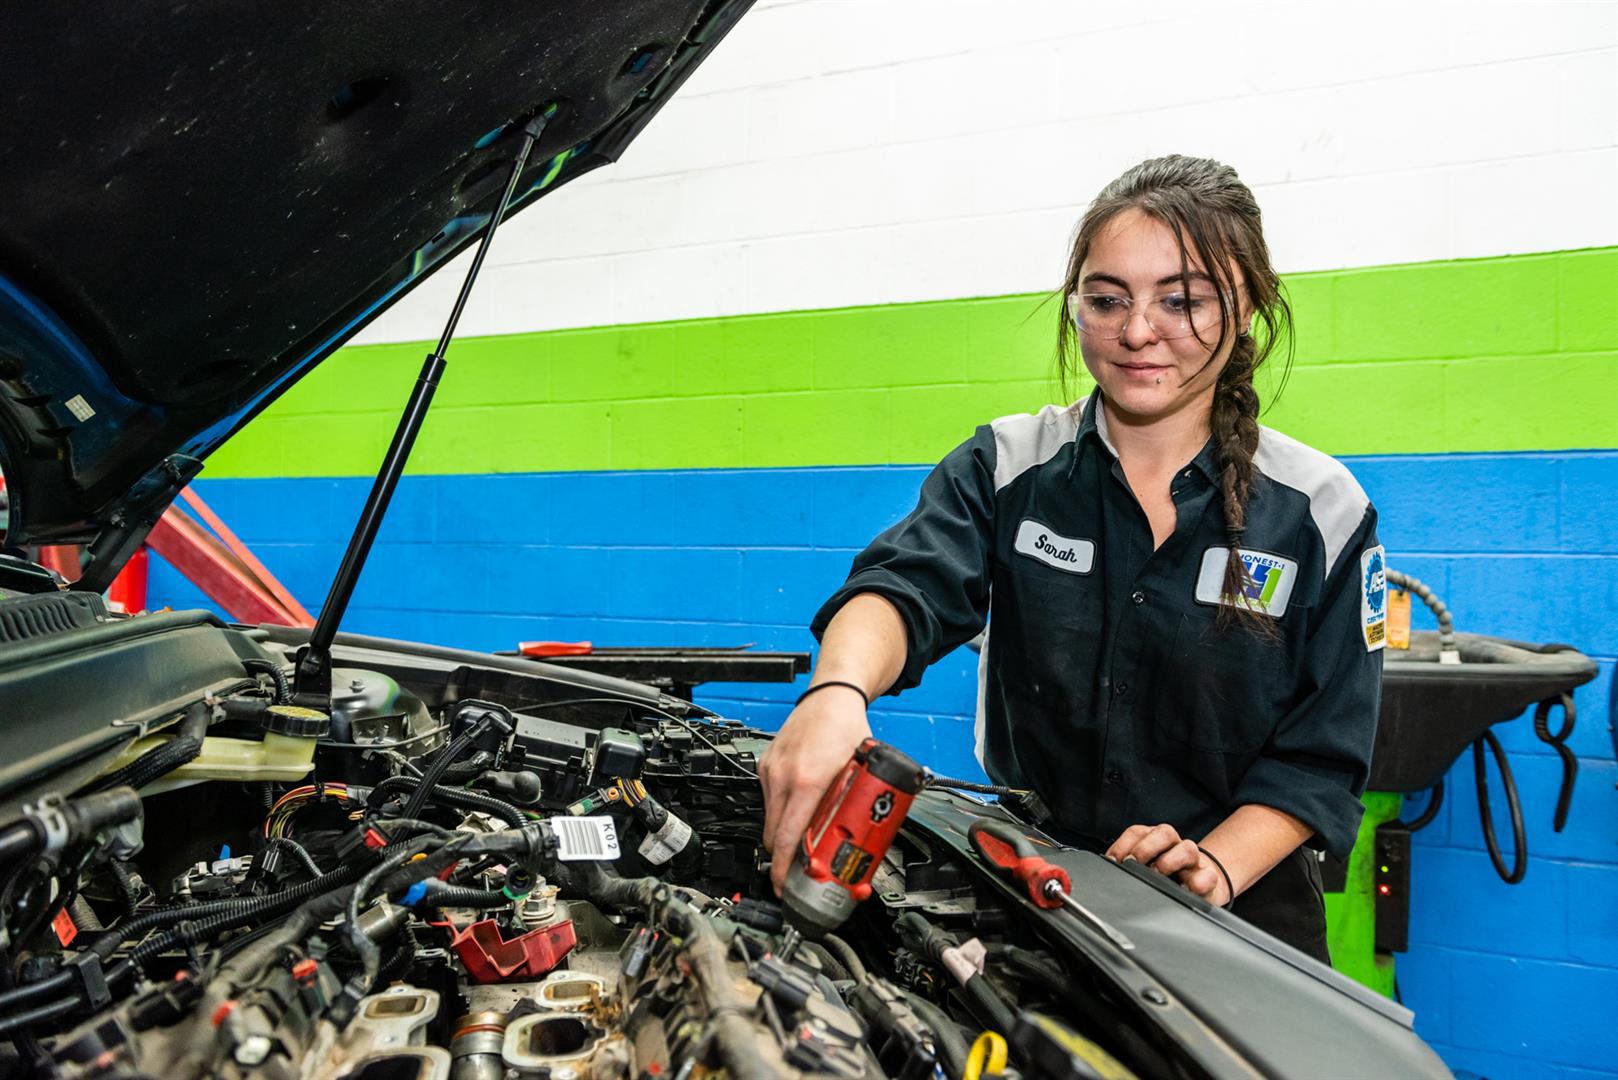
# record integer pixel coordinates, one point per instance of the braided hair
(1214, 216)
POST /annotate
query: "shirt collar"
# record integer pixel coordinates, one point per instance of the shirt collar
(1093, 425)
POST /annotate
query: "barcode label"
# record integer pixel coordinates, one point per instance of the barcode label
(585, 838)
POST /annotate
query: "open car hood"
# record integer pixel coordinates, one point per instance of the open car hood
(204, 201)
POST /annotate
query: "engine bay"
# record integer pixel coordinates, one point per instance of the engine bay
(475, 872)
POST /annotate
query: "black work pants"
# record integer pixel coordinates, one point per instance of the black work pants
(1289, 903)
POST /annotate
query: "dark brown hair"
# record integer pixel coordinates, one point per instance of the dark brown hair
(1214, 215)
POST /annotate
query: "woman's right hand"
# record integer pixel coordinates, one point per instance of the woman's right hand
(811, 749)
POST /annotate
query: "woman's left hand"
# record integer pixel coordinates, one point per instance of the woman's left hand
(1161, 848)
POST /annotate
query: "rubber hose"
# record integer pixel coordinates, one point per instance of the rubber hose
(1558, 742)
(1519, 862)
(951, 1044)
(459, 896)
(846, 956)
(18, 840)
(1435, 801)
(283, 689)
(458, 798)
(15, 1022)
(1026, 963)
(832, 966)
(986, 1005)
(429, 779)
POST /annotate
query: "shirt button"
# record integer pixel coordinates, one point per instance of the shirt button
(1115, 777)
(1186, 475)
(1138, 596)
(1121, 689)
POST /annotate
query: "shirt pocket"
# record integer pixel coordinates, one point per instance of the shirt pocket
(1219, 693)
(1046, 627)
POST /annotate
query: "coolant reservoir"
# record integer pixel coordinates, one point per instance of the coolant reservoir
(285, 754)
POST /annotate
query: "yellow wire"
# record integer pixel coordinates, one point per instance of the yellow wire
(988, 1054)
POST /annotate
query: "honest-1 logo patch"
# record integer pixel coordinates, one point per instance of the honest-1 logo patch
(1270, 588)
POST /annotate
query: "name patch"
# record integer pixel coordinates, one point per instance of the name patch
(1374, 598)
(1038, 542)
(1267, 593)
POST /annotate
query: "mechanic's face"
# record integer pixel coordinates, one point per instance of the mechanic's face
(1136, 318)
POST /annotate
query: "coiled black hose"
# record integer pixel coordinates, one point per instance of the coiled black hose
(1435, 802)
(162, 760)
(283, 688)
(1558, 742)
(456, 797)
(1519, 861)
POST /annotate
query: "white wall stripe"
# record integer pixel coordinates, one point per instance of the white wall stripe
(839, 152)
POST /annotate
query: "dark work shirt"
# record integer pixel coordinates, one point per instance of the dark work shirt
(1106, 684)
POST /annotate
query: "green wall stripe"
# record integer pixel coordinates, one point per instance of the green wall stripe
(1516, 353)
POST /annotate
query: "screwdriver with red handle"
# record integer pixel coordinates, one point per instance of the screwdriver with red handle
(1008, 850)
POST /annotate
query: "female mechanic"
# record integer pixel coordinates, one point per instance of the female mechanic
(1185, 609)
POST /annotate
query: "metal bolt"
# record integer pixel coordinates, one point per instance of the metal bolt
(1155, 996)
(253, 1050)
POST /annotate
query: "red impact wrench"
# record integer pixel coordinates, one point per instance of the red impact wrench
(848, 836)
(1007, 849)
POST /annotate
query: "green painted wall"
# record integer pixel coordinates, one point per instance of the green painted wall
(1499, 354)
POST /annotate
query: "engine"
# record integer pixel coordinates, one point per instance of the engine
(474, 889)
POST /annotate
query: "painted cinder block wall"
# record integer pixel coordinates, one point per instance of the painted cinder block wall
(691, 386)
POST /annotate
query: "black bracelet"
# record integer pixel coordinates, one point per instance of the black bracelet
(832, 682)
(1230, 890)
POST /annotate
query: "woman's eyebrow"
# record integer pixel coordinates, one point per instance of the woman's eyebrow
(1195, 275)
(1108, 278)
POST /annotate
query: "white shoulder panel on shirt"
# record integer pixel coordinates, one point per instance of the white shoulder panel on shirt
(1026, 440)
(1336, 501)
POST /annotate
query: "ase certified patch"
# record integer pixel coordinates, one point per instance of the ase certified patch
(1271, 587)
(1374, 598)
(1038, 542)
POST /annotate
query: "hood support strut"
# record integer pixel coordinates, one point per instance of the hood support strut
(312, 680)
